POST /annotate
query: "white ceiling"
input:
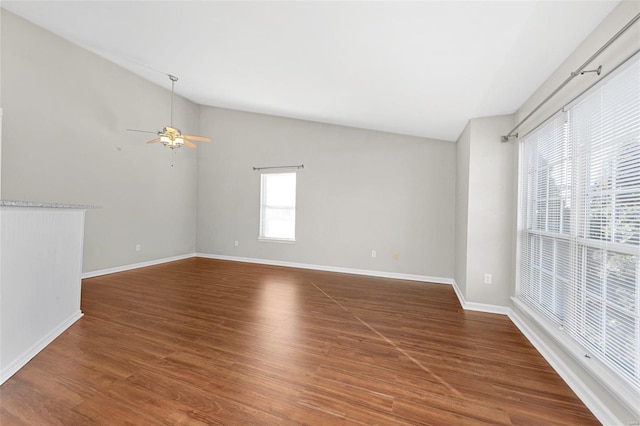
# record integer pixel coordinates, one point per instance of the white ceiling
(415, 68)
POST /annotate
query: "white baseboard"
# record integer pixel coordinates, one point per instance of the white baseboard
(22, 360)
(370, 273)
(122, 268)
(480, 307)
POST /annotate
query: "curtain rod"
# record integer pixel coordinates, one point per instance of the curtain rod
(301, 166)
(574, 74)
(579, 95)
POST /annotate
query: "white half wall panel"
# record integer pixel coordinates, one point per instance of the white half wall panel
(40, 270)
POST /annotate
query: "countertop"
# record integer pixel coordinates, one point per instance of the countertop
(37, 204)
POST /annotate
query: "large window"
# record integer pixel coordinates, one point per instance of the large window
(278, 206)
(580, 222)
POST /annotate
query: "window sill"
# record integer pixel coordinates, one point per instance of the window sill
(276, 240)
(620, 389)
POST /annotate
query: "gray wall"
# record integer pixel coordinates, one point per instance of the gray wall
(490, 212)
(64, 140)
(485, 211)
(463, 152)
(360, 190)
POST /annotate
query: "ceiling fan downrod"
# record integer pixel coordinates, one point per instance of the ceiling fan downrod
(173, 79)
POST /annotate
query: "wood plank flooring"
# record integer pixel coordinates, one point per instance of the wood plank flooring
(203, 341)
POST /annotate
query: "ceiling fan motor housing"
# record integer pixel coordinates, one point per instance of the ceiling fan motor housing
(171, 137)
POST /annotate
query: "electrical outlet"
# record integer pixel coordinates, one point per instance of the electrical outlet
(488, 278)
(137, 247)
(373, 253)
(235, 243)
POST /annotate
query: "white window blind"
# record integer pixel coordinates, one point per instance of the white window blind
(278, 206)
(580, 221)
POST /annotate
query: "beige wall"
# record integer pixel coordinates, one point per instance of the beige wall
(360, 190)
(64, 140)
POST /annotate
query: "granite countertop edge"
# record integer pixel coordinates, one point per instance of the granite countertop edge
(37, 204)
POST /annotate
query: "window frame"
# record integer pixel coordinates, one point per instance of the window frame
(582, 240)
(263, 207)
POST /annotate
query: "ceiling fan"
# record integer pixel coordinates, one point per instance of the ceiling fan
(170, 136)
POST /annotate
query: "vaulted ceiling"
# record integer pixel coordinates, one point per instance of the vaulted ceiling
(415, 68)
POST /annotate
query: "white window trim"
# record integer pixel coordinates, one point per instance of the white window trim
(277, 240)
(264, 239)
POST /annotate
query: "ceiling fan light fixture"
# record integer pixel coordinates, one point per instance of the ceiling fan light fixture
(165, 139)
(178, 141)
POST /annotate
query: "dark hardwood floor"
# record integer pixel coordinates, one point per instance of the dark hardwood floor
(202, 341)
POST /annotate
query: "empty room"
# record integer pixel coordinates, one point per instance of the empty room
(320, 212)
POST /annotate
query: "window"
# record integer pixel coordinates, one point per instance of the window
(278, 206)
(579, 236)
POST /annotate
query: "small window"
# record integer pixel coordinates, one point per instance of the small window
(278, 206)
